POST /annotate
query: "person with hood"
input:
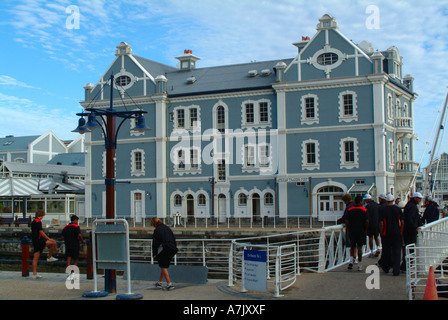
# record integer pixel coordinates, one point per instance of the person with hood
(163, 249)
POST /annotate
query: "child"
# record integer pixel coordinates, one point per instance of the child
(72, 235)
(40, 241)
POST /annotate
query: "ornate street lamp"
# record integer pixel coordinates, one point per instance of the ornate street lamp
(107, 123)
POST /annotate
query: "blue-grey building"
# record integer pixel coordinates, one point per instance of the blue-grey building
(281, 138)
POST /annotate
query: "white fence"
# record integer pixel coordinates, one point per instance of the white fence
(431, 249)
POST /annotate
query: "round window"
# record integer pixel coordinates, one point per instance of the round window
(328, 58)
(123, 81)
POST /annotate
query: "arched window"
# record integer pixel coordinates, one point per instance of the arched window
(268, 199)
(242, 199)
(201, 200)
(177, 200)
(221, 119)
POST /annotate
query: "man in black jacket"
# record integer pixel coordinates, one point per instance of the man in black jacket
(391, 228)
(411, 222)
(411, 219)
(163, 249)
(431, 213)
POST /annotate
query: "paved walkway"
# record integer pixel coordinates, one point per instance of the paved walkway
(339, 284)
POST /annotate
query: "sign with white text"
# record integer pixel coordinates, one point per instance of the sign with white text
(255, 277)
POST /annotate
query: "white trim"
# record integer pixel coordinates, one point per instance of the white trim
(342, 116)
(303, 117)
(310, 166)
(134, 171)
(257, 123)
(355, 163)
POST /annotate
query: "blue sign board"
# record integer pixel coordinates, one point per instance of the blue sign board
(255, 276)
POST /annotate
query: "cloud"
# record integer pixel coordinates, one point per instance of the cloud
(9, 81)
(27, 116)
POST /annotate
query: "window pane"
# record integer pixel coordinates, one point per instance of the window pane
(180, 118)
(221, 119)
(193, 117)
(309, 108)
(349, 151)
(310, 153)
(348, 104)
(249, 113)
(264, 112)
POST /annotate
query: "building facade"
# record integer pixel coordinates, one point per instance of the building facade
(36, 149)
(435, 182)
(281, 138)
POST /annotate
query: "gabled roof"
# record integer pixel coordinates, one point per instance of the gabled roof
(16, 143)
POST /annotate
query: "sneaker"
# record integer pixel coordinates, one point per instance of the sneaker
(52, 259)
(360, 267)
(36, 277)
(169, 286)
(158, 284)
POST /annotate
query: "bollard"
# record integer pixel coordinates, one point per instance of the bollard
(25, 256)
(89, 260)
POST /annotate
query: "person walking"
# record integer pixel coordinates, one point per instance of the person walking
(357, 224)
(373, 232)
(391, 228)
(348, 201)
(163, 249)
(40, 242)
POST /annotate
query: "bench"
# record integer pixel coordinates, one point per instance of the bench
(17, 221)
(7, 221)
(26, 221)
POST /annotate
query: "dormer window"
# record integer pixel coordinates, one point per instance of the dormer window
(123, 81)
(328, 58)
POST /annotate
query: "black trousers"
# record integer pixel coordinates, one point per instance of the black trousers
(391, 257)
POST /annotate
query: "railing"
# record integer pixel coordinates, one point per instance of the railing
(210, 253)
(178, 221)
(417, 270)
(431, 249)
(287, 254)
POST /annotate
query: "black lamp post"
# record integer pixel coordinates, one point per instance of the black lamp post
(110, 131)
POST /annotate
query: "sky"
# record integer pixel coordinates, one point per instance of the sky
(48, 55)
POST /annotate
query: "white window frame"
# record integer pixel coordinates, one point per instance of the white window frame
(390, 108)
(304, 118)
(256, 114)
(342, 116)
(349, 165)
(190, 167)
(220, 103)
(305, 164)
(187, 118)
(134, 171)
(391, 153)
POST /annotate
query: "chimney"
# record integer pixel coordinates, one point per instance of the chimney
(187, 60)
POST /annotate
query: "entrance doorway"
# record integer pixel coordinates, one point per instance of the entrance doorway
(330, 204)
(222, 208)
(256, 207)
(190, 208)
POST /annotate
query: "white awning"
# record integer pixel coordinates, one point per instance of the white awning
(16, 187)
